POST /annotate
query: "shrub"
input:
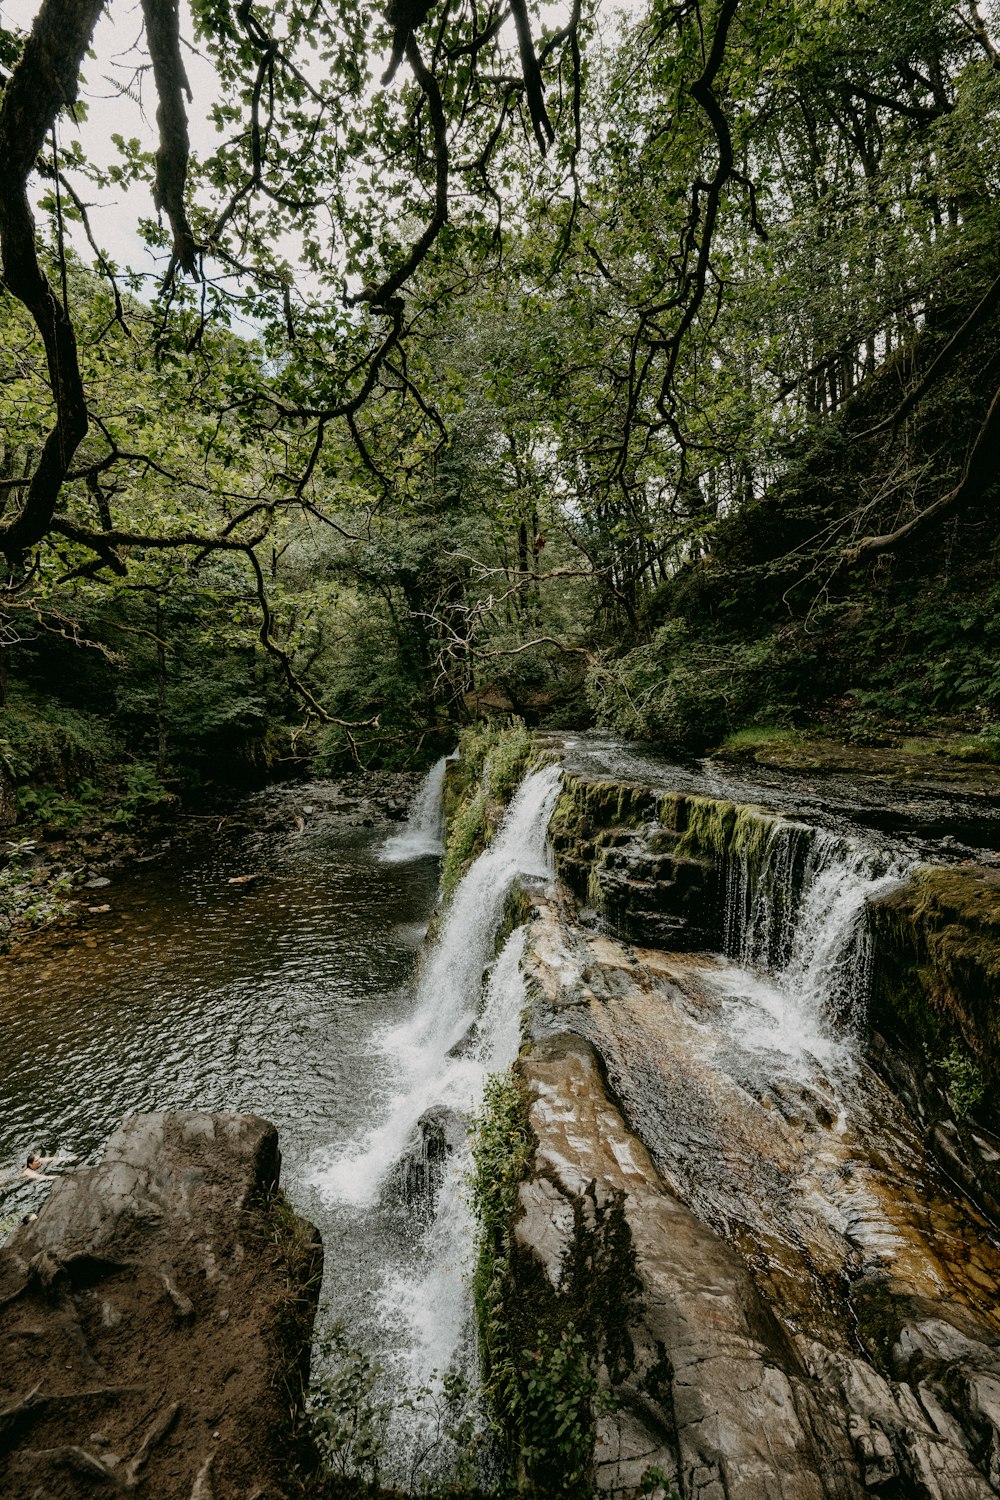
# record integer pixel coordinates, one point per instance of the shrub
(493, 760)
(688, 689)
(506, 761)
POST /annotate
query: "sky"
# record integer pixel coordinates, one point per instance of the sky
(120, 100)
(120, 97)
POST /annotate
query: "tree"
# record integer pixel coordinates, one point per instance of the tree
(312, 150)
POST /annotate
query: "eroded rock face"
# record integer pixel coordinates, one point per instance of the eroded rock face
(620, 847)
(784, 1296)
(154, 1318)
(936, 1002)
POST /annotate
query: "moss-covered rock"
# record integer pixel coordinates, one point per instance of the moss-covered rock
(962, 760)
(553, 1333)
(654, 863)
(478, 786)
(937, 976)
(935, 1016)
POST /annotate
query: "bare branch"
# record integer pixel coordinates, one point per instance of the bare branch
(532, 73)
(979, 472)
(985, 308)
(163, 35)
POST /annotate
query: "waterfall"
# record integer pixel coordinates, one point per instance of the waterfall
(434, 1304)
(423, 833)
(830, 960)
(795, 900)
(459, 1032)
(423, 1058)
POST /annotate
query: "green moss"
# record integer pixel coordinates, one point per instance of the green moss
(587, 808)
(984, 748)
(673, 811)
(723, 829)
(506, 762)
(467, 837)
(760, 737)
(518, 909)
(937, 977)
(477, 788)
(296, 1253)
(565, 820)
(542, 1346)
(879, 1317)
(502, 1149)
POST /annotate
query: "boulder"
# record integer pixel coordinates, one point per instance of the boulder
(777, 1293)
(154, 1318)
(438, 1133)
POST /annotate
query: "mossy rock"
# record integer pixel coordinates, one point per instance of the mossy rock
(478, 786)
(936, 983)
(968, 760)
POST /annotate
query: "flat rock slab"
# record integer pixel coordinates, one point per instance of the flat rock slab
(154, 1317)
(808, 1314)
(716, 1394)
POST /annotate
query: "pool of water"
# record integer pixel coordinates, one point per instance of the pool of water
(195, 993)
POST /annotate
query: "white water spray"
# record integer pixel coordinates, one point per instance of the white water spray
(423, 833)
(797, 928)
(419, 1053)
(457, 1036)
(435, 1304)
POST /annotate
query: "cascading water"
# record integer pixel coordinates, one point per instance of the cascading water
(795, 925)
(419, 1053)
(434, 1303)
(439, 1060)
(423, 834)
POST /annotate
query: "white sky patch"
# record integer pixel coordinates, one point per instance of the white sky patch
(121, 100)
(118, 91)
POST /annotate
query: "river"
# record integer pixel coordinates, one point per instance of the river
(306, 994)
(297, 995)
(194, 993)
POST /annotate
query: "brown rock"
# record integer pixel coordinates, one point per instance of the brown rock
(115, 1345)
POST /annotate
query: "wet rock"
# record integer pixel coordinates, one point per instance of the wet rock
(707, 1393)
(874, 1453)
(616, 846)
(116, 1352)
(728, 1236)
(545, 1226)
(967, 1150)
(439, 1132)
(936, 985)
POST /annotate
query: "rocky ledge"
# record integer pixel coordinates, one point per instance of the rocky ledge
(155, 1320)
(781, 1296)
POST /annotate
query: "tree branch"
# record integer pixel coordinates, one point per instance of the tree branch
(43, 82)
(163, 35)
(980, 471)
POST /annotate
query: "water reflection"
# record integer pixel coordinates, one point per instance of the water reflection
(194, 993)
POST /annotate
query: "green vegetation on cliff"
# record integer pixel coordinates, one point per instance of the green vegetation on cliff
(664, 371)
(936, 983)
(491, 762)
(539, 1346)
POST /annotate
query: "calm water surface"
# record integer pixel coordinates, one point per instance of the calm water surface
(191, 993)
